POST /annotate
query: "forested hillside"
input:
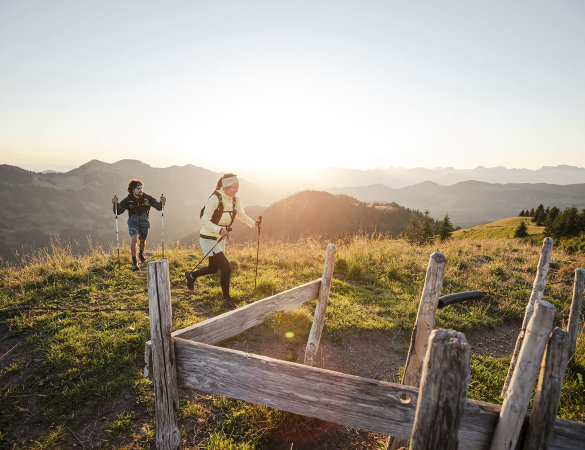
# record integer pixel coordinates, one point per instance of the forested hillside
(325, 215)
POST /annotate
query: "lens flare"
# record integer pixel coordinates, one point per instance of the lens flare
(289, 334)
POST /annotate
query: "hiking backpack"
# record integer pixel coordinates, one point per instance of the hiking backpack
(215, 218)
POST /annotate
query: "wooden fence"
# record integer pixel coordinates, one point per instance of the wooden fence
(438, 415)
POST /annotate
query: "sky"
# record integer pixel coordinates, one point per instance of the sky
(292, 85)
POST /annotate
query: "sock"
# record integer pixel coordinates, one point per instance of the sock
(134, 260)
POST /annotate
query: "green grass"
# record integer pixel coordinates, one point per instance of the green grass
(83, 323)
(503, 228)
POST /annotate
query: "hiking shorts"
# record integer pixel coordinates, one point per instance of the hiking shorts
(138, 225)
(207, 245)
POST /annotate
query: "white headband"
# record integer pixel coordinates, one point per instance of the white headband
(226, 182)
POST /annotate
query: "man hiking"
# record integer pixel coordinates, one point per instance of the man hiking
(138, 205)
(220, 211)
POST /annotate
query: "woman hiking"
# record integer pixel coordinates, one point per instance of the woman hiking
(138, 205)
(220, 211)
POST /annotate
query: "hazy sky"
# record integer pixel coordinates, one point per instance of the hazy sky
(294, 84)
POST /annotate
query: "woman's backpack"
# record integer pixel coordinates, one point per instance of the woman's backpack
(215, 218)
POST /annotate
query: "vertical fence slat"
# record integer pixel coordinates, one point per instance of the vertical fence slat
(443, 392)
(548, 392)
(536, 295)
(163, 356)
(574, 316)
(517, 398)
(425, 319)
(319, 319)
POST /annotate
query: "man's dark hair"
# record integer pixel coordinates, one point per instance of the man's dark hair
(133, 184)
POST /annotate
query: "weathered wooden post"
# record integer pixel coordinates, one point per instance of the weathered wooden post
(537, 291)
(425, 319)
(319, 319)
(548, 392)
(575, 314)
(163, 356)
(519, 391)
(443, 392)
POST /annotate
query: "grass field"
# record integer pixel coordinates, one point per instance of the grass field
(72, 331)
(499, 229)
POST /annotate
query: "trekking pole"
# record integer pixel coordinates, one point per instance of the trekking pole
(215, 245)
(117, 238)
(257, 250)
(162, 227)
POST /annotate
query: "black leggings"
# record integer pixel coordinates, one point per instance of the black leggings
(218, 262)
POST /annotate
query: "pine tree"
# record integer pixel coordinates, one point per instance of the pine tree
(539, 215)
(445, 228)
(412, 232)
(427, 228)
(521, 230)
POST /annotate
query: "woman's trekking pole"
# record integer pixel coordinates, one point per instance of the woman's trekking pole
(117, 238)
(215, 245)
(162, 227)
(257, 250)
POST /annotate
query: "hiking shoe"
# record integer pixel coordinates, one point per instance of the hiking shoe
(229, 303)
(135, 266)
(142, 258)
(190, 280)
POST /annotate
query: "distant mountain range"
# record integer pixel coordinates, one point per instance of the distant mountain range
(472, 202)
(77, 204)
(399, 177)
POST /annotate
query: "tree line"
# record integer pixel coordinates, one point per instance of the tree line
(558, 223)
(426, 229)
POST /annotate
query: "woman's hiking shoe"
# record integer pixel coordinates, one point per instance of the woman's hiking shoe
(229, 303)
(135, 266)
(142, 258)
(190, 280)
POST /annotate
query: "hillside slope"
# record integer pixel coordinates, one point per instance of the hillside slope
(499, 229)
(317, 213)
(72, 334)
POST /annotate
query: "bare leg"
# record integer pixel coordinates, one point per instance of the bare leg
(133, 245)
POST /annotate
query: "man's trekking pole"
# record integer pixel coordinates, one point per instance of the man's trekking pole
(162, 227)
(257, 250)
(215, 245)
(117, 238)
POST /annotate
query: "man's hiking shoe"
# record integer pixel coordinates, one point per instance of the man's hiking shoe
(229, 303)
(142, 258)
(190, 280)
(135, 266)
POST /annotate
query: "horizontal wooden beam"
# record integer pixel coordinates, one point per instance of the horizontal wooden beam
(377, 406)
(232, 323)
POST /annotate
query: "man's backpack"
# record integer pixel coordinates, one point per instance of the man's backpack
(216, 216)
